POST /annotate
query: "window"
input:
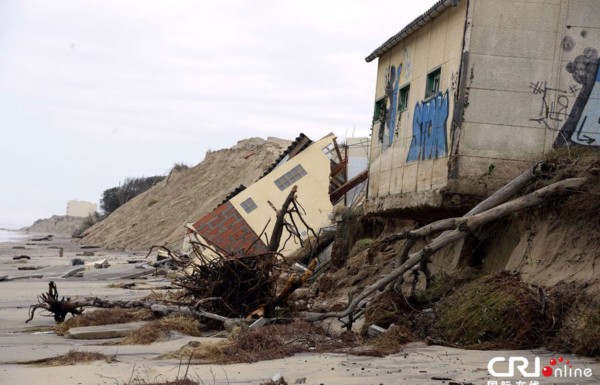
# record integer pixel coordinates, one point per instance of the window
(379, 113)
(329, 151)
(248, 205)
(287, 179)
(403, 98)
(379, 117)
(433, 83)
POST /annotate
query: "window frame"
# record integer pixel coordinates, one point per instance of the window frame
(403, 95)
(434, 79)
(248, 205)
(290, 177)
(379, 111)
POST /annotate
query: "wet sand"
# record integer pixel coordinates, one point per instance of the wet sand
(417, 364)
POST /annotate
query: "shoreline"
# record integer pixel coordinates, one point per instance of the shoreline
(416, 364)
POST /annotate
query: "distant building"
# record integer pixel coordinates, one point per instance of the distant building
(472, 92)
(358, 162)
(236, 224)
(77, 208)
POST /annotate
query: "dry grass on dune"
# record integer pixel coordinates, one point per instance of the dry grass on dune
(104, 317)
(157, 330)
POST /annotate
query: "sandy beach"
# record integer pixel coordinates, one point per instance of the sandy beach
(416, 364)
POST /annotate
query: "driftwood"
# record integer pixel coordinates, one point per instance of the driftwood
(229, 286)
(279, 222)
(46, 238)
(465, 225)
(221, 288)
(502, 195)
(58, 307)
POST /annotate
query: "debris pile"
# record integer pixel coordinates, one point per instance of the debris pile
(237, 288)
(230, 285)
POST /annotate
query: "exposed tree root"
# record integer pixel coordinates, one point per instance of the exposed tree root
(464, 225)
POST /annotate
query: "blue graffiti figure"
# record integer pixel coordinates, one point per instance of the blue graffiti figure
(429, 129)
(391, 122)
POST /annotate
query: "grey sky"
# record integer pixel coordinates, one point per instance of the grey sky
(92, 92)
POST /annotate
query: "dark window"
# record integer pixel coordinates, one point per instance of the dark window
(433, 83)
(379, 113)
(248, 205)
(290, 177)
(403, 98)
(379, 117)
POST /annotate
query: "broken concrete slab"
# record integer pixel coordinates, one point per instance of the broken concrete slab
(29, 276)
(118, 272)
(104, 331)
(375, 331)
(61, 271)
(99, 264)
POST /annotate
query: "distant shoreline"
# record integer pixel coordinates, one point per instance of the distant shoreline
(21, 230)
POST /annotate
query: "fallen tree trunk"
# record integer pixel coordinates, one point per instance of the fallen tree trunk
(465, 225)
(500, 196)
(61, 308)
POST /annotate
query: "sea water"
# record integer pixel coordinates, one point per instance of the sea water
(12, 235)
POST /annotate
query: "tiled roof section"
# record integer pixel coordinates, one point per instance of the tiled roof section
(297, 146)
(232, 194)
(434, 11)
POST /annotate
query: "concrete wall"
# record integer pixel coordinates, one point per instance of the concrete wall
(532, 71)
(529, 84)
(77, 208)
(312, 193)
(409, 151)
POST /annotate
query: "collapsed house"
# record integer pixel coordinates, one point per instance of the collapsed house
(244, 221)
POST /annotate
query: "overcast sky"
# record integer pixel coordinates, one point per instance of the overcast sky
(93, 92)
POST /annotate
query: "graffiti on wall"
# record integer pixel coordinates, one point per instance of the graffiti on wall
(391, 91)
(550, 110)
(406, 63)
(429, 129)
(582, 125)
(390, 119)
(575, 109)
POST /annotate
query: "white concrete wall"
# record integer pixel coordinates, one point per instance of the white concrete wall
(530, 83)
(520, 92)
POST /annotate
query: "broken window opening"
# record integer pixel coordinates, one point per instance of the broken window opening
(329, 151)
(433, 83)
(379, 117)
(403, 98)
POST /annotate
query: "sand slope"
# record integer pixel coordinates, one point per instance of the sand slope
(159, 214)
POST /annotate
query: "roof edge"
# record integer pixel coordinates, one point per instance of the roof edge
(433, 12)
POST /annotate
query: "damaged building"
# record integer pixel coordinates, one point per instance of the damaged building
(472, 92)
(246, 218)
